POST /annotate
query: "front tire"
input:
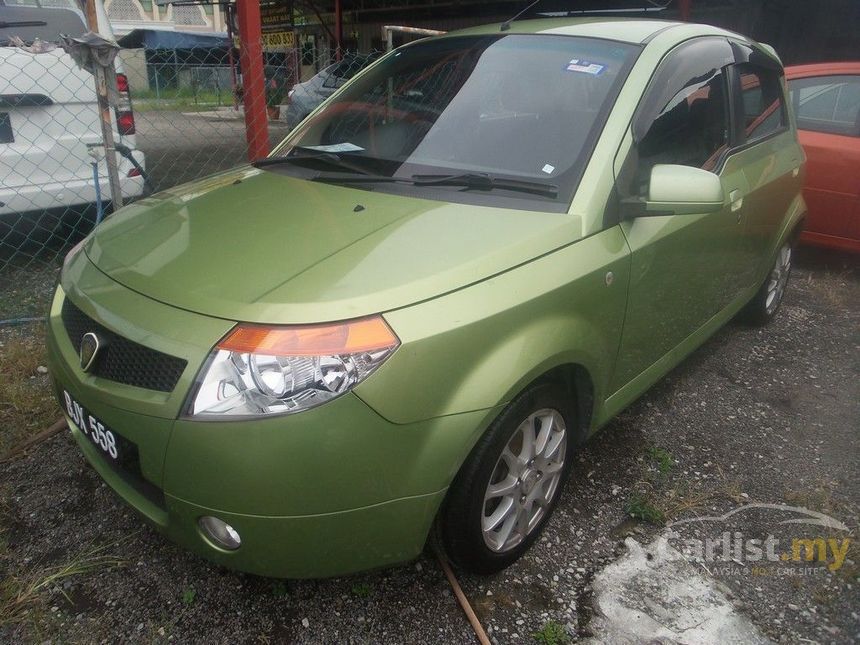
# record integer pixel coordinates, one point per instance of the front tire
(767, 300)
(507, 489)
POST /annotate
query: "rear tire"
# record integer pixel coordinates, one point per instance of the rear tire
(509, 486)
(767, 300)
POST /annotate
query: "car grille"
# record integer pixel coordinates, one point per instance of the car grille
(120, 359)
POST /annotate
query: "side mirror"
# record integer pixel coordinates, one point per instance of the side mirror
(679, 190)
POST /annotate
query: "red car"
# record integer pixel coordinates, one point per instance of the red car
(826, 101)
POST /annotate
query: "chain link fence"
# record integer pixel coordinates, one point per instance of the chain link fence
(177, 115)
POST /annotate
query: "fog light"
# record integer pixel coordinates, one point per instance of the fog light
(220, 533)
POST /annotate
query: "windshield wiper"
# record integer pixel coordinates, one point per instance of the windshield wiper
(476, 181)
(482, 181)
(22, 23)
(308, 154)
(366, 178)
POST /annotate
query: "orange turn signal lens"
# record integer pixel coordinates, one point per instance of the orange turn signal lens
(350, 337)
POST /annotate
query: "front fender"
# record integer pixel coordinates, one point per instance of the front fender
(476, 348)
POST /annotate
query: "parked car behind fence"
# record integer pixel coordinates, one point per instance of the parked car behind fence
(305, 97)
(50, 131)
(180, 132)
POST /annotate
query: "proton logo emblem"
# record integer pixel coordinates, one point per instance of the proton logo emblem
(89, 350)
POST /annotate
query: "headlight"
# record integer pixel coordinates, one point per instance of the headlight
(258, 370)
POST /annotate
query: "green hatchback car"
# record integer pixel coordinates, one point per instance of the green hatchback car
(409, 317)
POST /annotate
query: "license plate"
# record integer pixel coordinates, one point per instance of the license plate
(111, 445)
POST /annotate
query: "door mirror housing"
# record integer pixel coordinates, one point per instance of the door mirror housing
(678, 190)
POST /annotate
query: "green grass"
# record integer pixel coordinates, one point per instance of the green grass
(27, 404)
(280, 589)
(662, 459)
(21, 594)
(641, 508)
(183, 98)
(552, 633)
(361, 589)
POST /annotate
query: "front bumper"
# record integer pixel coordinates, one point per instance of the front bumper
(301, 546)
(330, 491)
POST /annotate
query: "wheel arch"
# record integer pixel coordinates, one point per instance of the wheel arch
(574, 378)
(577, 382)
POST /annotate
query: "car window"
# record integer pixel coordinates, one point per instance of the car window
(341, 72)
(334, 74)
(827, 104)
(761, 97)
(689, 118)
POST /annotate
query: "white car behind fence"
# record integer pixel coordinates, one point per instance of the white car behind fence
(50, 131)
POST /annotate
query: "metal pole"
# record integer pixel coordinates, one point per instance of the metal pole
(338, 28)
(684, 7)
(228, 11)
(104, 77)
(297, 46)
(388, 33)
(253, 78)
(389, 45)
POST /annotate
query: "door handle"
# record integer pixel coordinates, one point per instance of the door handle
(737, 201)
(796, 170)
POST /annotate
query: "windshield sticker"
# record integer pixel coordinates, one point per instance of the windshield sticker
(548, 169)
(337, 147)
(585, 67)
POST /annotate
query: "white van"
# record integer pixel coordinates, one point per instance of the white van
(49, 121)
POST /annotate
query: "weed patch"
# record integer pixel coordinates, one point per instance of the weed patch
(27, 404)
(552, 633)
(21, 594)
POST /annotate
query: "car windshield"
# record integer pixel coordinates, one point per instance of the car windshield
(506, 119)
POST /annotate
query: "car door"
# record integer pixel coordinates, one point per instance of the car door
(769, 153)
(684, 267)
(828, 120)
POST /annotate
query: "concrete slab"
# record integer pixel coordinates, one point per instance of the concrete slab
(653, 594)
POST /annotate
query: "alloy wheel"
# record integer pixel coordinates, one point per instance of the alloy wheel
(778, 279)
(525, 480)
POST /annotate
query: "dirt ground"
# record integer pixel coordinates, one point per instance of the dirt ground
(756, 416)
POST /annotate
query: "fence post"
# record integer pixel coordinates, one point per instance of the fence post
(253, 78)
(105, 75)
(228, 16)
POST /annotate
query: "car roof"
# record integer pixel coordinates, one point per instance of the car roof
(629, 30)
(822, 69)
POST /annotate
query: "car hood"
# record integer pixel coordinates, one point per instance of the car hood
(259, 246)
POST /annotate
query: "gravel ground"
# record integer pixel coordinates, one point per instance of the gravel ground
(756, 415)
